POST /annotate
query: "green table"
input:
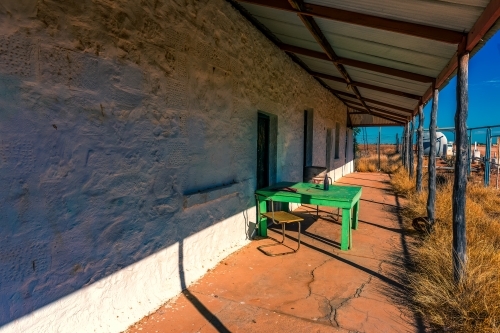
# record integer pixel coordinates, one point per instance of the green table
(345, 197)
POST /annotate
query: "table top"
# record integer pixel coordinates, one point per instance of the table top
(313, 193)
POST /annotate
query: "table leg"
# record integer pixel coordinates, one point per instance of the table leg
(345, 238)
(355, 215)
(262, 221)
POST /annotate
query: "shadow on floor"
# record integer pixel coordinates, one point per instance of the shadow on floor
(209, 316)
(401, 295)
(348, 262)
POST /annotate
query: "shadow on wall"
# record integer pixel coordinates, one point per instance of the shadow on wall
(87, 188)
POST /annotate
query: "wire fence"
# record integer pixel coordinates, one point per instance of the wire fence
(483, 159)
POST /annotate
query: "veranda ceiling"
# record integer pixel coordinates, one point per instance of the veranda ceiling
(380, 57)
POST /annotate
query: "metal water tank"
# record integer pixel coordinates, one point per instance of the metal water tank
(441, 144)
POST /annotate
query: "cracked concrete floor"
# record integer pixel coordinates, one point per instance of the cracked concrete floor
(318, 289)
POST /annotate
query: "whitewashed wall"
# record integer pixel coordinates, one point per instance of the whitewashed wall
(128, 152)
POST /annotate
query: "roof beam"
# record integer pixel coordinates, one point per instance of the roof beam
(386, 90)
(314, 29)
(359, 64)
(259, 26)
(367, 86)
(483, 24)
(489, 16)
(368, 100)
(303, 51)
(386, 70)
(383, 116)
(407, 28)
(398, 115)
(387, 117)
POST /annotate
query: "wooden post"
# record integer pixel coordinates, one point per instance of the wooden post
(460, 183)
(420, 140)
(403, 147)
(397, 143)
(407, 148)
(431, 198)
(411, 148)
(379, 134)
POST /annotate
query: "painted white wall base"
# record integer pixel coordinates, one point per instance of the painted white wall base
(115, 302)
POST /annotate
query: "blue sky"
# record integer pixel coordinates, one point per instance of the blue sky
(484, 98)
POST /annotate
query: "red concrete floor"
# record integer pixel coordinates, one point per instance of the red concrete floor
(318, 289)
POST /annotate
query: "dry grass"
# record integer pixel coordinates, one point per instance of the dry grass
(474, 305)
(402, 183)
(388, 163)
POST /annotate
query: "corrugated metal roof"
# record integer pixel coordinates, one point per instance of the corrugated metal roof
(397, 64)
(270, 13)
(387, 81)
(389, 98)
(350, 99)
(295, 32)
(291, 40)
(381, 121)
(319, 65)
(404, 114)
(362, 119)
(367, 119)
(375, 47)
(412, 43)
(458, 16)
(337, 85)
(385, 51)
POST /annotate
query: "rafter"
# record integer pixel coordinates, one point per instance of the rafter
(407, 28)
(367, 86)
(358, 64)
(386, 90)
(398, 117)
(368, 100)
(269, 35)
(316, 32)
(402, 116)
(489, 16)
(483, 24)
(376, 125)
(383, 116)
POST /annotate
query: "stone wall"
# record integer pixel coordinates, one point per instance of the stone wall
(128, 152)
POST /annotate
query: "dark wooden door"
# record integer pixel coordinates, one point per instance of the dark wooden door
(262, 151)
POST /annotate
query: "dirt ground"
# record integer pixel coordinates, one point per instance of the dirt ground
(318, 289)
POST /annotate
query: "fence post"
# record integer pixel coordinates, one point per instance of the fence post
(487, 158)
(469, 154)
(397, 143)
